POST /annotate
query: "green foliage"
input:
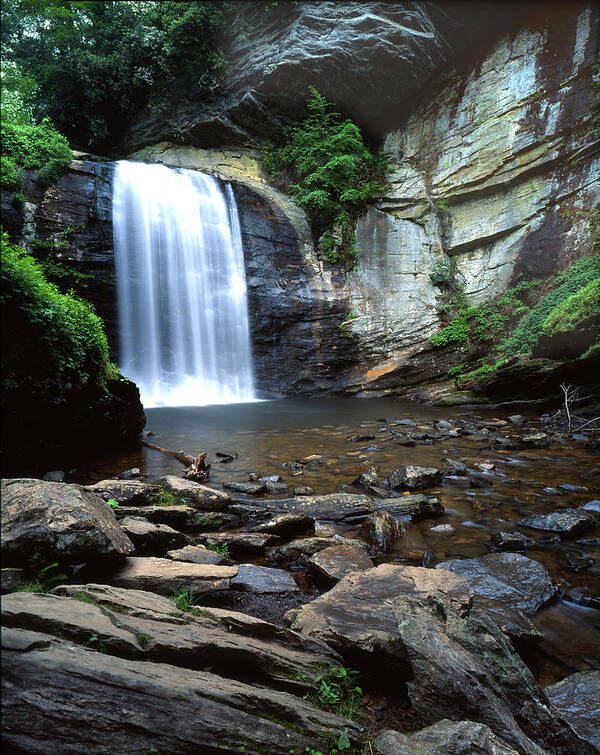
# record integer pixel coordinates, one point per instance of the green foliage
(485, 369)
(184, 598)
(221, 548)
(337, 692)
(11, 176)
(326, 165)
(45, 579)
(94, 66)
(166, 498)
(40, 147)
(483, 323)
(143, 639)
(531, 325)
(575, 308)
(46, 333)
(443, 273)
(114, 504)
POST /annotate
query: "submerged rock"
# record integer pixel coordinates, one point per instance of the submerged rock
(513, 579)
(415, 507)
(567, 522)
(413, 478)
(43, 522)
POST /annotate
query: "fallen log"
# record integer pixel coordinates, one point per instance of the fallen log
(197, 468)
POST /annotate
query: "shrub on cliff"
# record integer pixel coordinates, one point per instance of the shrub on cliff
(40, 147)
(46, 335)
(531, 325)
(326, 165)
(575, 308)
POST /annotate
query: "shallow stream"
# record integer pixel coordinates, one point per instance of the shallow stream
(267, 434)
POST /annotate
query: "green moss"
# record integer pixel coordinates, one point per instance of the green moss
(84, 597)
(568, 313)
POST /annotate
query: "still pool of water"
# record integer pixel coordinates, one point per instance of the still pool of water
(267, 434)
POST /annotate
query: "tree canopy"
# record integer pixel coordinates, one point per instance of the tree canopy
(92, 67)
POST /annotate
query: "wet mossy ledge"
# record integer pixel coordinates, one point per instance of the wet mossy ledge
(62, 398)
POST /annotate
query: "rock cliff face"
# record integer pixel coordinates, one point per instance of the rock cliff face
(497, 170)
(370, 58)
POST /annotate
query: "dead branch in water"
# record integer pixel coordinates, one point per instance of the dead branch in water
(197, 468)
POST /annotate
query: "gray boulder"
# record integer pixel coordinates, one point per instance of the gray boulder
(43, 522)
(152, 539)
(261, 580)
(443, 738)
(566, 522)
(519, 582)
(578, 699)
(418, 625)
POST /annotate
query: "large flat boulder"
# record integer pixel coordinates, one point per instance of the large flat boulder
(519, 582)
(165, 576)
(418, 625)
(58, 692)
(135, 624)
(43, 522)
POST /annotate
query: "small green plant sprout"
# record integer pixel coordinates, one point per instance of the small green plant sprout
(221, 548)
(95, 643)
(184, 598)
(114, 504)
(45, 579)
(142, 639)
(166, 498)
(337, 692)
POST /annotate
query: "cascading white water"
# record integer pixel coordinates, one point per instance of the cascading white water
(183, 316)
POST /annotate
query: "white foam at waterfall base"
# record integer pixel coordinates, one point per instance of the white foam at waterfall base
(183, 315)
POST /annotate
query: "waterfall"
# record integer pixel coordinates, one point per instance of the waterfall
(183, 319)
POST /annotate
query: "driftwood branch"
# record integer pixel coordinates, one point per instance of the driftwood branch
(197, 468)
